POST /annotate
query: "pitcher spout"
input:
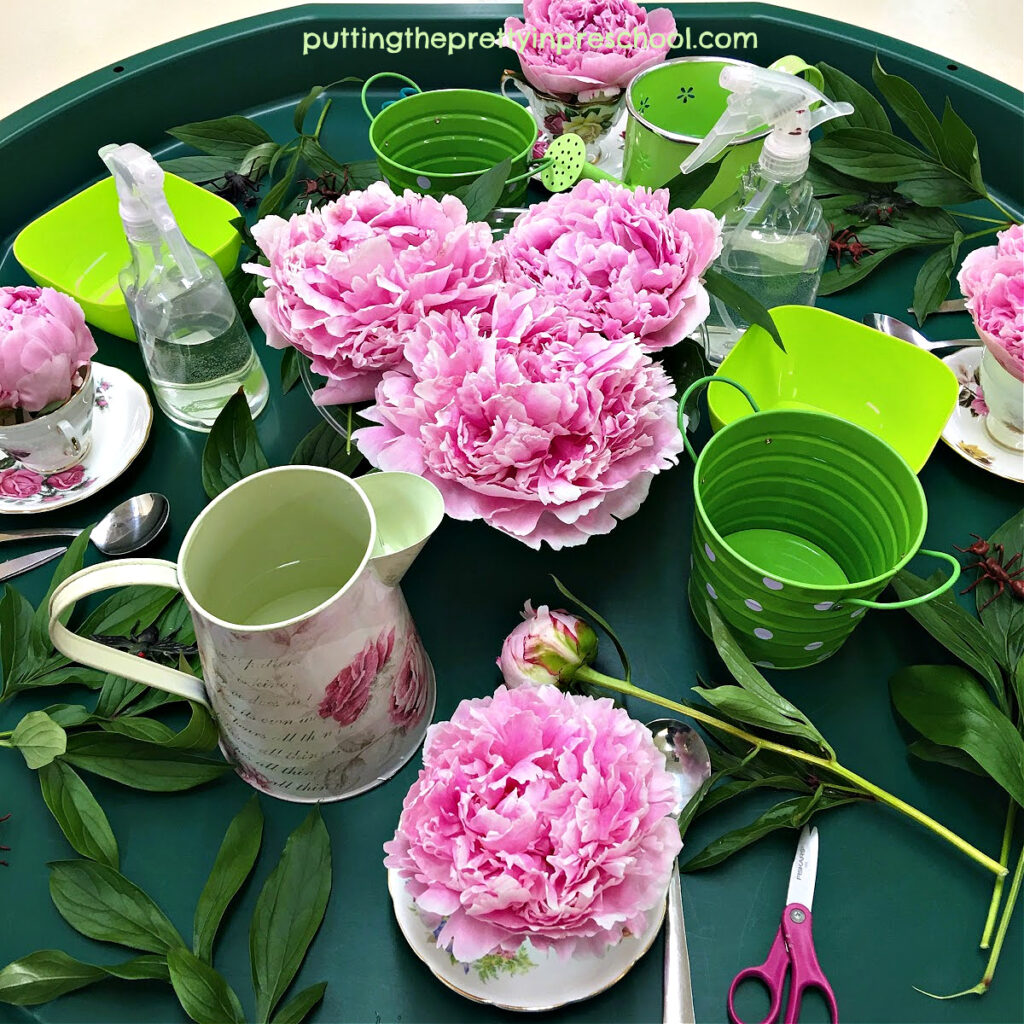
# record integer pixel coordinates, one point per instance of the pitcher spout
(408, 509)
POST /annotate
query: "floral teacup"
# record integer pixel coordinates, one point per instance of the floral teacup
(555, 115)
(1003, 388)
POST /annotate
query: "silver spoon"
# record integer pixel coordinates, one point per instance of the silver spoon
(687, 758)
(898, 329)
(127, 528)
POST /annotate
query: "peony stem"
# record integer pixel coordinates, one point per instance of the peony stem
(1002, 209)
(590, 675)
(997, 891)
(1004, 921)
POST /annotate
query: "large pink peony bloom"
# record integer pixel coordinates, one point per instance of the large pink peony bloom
(992, 280)
(618, 259)
(538, 815)
(45, 347)
(523, 419)
(588, 48)
(348, 693)
(348, 281)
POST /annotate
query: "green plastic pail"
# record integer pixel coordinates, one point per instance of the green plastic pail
(436, 142)
(802, 519)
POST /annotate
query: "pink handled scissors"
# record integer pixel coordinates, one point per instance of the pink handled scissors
(793, 948)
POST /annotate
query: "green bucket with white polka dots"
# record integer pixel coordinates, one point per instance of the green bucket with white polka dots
(802, 519)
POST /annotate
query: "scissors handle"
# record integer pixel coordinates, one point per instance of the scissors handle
(803, 962)
(772, 974)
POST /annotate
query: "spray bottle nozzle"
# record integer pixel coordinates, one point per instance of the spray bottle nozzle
(774, 99)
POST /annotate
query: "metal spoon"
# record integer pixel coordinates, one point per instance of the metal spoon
(898, 329)
(687, 758)
(127, 528)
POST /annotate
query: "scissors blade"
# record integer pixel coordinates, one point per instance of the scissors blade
(23, 563)
(805, 869)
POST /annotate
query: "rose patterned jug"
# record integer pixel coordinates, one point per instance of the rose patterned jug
(311, 663)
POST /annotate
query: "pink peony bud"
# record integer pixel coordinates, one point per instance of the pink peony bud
(547, 647)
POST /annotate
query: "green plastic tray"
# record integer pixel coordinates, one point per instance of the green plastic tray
(895, 907)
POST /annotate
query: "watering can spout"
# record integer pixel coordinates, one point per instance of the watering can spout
(407, 509)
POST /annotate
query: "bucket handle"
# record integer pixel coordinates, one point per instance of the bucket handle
(699, 383)
(374, 78)
(910, 602)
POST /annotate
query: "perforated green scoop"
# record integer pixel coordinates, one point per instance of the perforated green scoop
(568, 156)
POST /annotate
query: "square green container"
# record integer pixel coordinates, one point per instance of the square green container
(79, 246)
(900, 393)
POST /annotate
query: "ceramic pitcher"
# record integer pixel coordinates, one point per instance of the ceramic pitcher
(312, 665)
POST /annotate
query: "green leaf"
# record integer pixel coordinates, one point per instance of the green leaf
(298, 1007)
(915, 226)
(737, 787)
(960, 146)
(115, 694)
(833, 281)
(131, 609)
(874, 155)
(16, 624)
(587, 610)
(939, 189)
(685, 189)
(928, 751)
(67, 716)
(289, 370)
(148, 967)
(45, 975)
(230, 137)
(1004, 617)
(69, 564)
(910, 108)
(932, 285)
(762, 698)
(947, 705)
(232, 450)
(288, 912)
(954, 627)
(742, 302)
(255, 163)
(141, 765)
(747, 707)
(76, 810)
(867, 111)
(302, 107)
(200, 168)
(235, 859)
(826, 181)
(482, 195)
(199, 734)
(364, 172)
(793, 813)
(39, 738)
(324, 446)
(102, 904)
(203, 993)
(244, 287)
(320, 161)
(277, 193)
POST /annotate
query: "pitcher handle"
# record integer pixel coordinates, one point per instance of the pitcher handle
(506, 77)
(910, 602)
(155, 572)
(374, 78)
(797, 66)
(699, 383)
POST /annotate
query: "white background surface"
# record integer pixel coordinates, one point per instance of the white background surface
(48, 43)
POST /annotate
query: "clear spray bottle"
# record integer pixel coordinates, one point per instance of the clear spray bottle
(194, 344)
(775, 238)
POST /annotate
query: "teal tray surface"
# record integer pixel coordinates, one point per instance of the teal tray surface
(895, 907)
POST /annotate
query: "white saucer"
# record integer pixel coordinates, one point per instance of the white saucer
(121, 419)
(532, 981)
(965, 432)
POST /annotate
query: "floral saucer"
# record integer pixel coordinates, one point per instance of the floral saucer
(965, 432)
(530, 981)
(120, 427)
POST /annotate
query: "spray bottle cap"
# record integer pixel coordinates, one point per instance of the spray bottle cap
(142, 203)
(776, 99)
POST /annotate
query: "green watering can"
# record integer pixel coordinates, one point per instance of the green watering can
(802, 519)
(440, 141)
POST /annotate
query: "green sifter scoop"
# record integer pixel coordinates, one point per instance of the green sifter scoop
(568, 156)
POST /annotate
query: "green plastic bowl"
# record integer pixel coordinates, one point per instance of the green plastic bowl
(79, 246)
(899, 393)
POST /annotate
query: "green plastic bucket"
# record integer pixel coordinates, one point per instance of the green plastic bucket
(802, 519)
(436, 142)
(673, 105)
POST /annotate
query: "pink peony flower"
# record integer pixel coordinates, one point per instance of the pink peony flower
(348, 692)
(69, 478)
(20, 483)
(45, 347)
(992, 281)
(540, 815)
(617, 259)
(348, 281)
(409, 691)
(545, 648)
(522, 418)
(588, 48)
